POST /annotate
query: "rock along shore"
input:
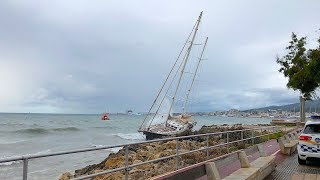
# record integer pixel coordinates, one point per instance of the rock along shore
(149, 151)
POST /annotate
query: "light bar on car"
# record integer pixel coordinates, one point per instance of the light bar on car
(305, 138)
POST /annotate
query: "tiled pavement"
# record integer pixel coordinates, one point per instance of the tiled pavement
(288, 166)
(305, 176)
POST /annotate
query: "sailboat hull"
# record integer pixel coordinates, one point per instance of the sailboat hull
(151, 135)
(161, 133)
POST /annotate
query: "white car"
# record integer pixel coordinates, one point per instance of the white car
(309, 142)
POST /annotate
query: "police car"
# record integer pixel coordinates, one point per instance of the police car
(309, 142)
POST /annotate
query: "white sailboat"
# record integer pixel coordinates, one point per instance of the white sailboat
(160, 120)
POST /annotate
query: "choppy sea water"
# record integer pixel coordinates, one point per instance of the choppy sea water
(25, 134)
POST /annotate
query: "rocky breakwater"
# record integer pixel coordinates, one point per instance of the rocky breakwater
(149, 151)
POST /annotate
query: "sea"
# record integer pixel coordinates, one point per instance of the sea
(30, 134)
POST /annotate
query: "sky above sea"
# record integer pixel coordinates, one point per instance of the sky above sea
(83, 56)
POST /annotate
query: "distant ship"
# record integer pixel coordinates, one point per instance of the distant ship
(160, 120)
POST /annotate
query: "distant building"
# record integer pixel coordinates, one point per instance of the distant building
(233, 112)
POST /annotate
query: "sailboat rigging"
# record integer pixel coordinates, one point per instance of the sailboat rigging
(160, 120)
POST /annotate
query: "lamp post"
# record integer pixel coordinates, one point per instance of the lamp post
(302, 110)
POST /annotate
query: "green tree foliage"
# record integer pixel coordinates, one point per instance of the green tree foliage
(301, 66)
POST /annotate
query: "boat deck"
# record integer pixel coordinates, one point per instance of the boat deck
(161, 128)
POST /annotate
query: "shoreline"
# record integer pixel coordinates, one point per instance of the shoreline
(149, 151)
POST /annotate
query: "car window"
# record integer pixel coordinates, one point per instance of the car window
(312, 129)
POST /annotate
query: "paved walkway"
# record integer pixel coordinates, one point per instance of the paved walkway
(287, 166)
(305, 176)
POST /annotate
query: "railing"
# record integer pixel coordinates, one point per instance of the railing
(270, 130)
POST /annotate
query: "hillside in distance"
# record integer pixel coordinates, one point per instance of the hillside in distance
(311, 106)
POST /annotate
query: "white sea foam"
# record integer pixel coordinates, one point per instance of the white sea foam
(41, 152)
(5, 142)
(11, 124)
(114, 150)
(97, 145)
(130, 136)
(9, 163)
(43, 170)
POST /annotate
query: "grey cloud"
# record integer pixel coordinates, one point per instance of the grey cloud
(116, 54)
(244, 99)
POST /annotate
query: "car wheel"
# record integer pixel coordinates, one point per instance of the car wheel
(302, 162)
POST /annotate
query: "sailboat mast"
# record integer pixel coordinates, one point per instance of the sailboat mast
(165, 82)
(194, 77)
(185, 62)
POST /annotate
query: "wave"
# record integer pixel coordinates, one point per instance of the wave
(66, 129)
(105, 127)
(39, 131)
(12, 142)
(17, 162)
(33, 131)
(130, 136)
(11, 124)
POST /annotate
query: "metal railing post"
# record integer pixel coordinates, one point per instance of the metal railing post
(261, 139)
(126, 163)
(244, 143)
(177, 153)
(242, 135)
(252, 134)
(25, 169)
(207, 137)
(227, 142)
(268, 134)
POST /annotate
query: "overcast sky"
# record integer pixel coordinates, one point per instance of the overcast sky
(82, 56)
